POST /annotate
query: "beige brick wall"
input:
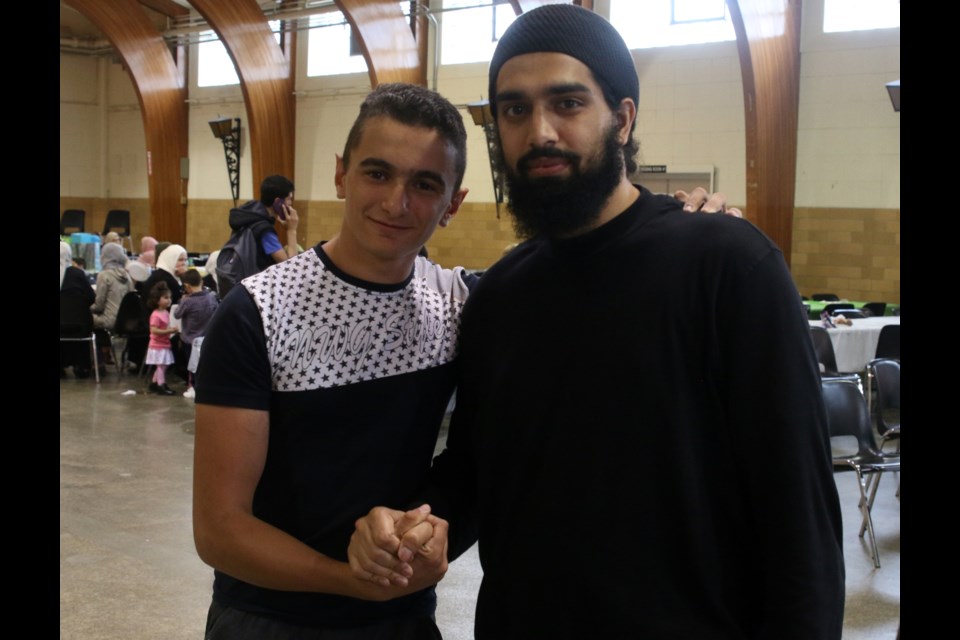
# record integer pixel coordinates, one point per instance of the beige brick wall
(854, 253)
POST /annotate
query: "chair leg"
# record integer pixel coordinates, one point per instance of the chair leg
(868, 521)
(873, 481)
(113, 353)
(96, 359)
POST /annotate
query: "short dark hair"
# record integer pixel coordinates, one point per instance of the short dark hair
(274, 187)
(157, 291)
(414, 106)
(192, 277)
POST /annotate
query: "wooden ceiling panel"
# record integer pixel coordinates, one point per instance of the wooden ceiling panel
(387, 42)
(159, 87)
(768, 41)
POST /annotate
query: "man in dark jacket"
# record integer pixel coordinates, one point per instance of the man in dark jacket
(276, 195)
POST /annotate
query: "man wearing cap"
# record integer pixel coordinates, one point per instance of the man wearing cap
(639, 432)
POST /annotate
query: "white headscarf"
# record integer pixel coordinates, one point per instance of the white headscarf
(211, 265)
(169, 258)
(66, 256)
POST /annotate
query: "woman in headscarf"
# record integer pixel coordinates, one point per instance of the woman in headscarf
(171, 264)
(113, 282)
(148, 243)
(73, 282)
(141, 268)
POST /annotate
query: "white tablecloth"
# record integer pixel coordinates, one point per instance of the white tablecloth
(856, 345)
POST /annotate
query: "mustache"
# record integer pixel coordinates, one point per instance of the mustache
(523, 164)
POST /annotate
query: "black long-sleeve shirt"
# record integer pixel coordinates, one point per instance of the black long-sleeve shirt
(640, 434)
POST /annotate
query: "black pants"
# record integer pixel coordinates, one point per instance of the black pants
(224, 623)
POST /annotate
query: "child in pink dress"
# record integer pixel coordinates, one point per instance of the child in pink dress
(159, 351)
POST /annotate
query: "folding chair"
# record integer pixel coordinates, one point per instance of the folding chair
(847, 415)
(76, 325)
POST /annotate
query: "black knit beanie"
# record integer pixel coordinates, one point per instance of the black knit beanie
(576, 32)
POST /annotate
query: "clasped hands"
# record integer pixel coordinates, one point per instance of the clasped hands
(399, 548)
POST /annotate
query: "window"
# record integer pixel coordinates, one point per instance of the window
(666, 23)
(331, 47)
(860, 15)
(471, 28)
(214, 66)
(690, 11)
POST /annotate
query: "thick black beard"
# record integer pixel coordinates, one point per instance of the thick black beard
(562, 207)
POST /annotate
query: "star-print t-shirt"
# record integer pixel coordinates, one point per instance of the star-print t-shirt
(356, 378)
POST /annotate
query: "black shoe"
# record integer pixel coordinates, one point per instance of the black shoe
(166, 391)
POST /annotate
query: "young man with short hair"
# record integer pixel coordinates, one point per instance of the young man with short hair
(274, 191)
(321, 390)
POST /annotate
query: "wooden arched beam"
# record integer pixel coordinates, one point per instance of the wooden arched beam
(163, 103)
(265, 79)
(768, 41)
(388, 45)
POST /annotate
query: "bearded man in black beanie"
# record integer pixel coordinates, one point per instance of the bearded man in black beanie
(639, 434)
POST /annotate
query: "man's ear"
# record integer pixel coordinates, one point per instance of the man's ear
(455, 203)
(338, 178)
(626, 114)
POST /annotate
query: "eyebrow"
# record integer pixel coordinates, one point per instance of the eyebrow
(423, 174)
(553, 90)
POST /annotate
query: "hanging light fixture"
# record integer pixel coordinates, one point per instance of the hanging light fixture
(227, 130)
(483, 117)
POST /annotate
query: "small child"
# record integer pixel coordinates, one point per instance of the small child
(194, 311)
(159, 351)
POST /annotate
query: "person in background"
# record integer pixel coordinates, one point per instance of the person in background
(146, 259)
(276, 201)
(74, 282)
(194, 312)
(141, 268)
(639, 437)
(160, 351)
(171, 264)
(147, 243)
(79, 263)
(113, 283)
(112, 237)
(210, 280)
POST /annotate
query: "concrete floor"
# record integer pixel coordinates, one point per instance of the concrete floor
(128, 569)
